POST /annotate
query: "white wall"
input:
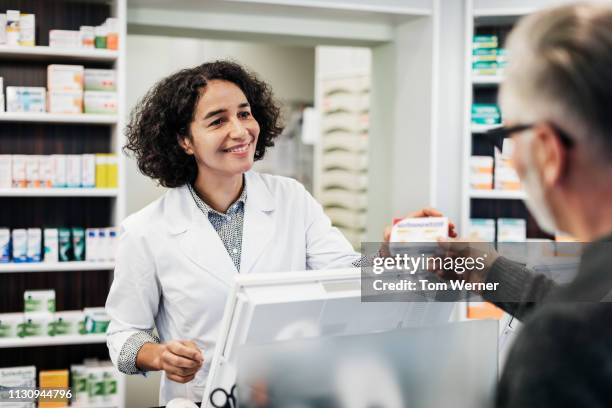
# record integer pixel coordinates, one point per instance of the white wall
(289, 70)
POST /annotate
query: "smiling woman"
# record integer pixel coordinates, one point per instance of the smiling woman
(198, 132)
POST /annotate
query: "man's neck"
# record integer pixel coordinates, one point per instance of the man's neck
(591, 219)
(218, 191)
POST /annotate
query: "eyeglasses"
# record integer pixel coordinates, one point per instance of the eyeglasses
(496, 136)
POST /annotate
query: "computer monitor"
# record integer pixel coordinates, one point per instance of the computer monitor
(448, 365)
(265, 308)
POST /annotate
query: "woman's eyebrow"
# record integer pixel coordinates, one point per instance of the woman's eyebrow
(214, 113)
(244, 105)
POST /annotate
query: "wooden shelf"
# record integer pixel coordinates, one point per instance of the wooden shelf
(58, 192)
(44, 53)
(53, 340)
(55, 267)
(83, 118)
(498, 194)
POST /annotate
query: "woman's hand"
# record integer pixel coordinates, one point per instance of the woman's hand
(179, 359)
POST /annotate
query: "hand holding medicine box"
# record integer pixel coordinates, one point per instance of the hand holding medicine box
(426, 229)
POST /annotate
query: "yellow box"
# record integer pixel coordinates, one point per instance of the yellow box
(53, 379)
(101, 171)
(112, 171)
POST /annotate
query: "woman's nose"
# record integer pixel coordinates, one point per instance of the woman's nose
(237, 131)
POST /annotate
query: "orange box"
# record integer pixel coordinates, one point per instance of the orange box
(53, 379)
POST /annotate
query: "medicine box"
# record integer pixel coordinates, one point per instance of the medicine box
(70, 102)
(30, 99)
(65, 77)
(88, 171)
(19, 242)
(18, 377)
(485, 41)
(47, 170)
(12, 27)
(37, 301)
(26, 30)
(73, 170)
(100, 80)
(486, 114)
(5, 245)
(34, 245)
(481, 230)
(78, 244)
(51, 245)
(67, 323)
(36, 325)
(60, 161)
(2, 28)
(6, 171)
(420, 229)
(96, 320)
(55, 379)
(65, 245)
(87, 36)
(481, 172)
(33, 171)
(10, 325)
(511, 230)
(506, 177)
(64, 39)
(100, 102)
(78, 384)
(112, 171)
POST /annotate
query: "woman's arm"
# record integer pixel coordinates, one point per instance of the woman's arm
(326, 247)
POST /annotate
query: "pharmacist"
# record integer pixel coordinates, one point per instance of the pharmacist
(198, 132)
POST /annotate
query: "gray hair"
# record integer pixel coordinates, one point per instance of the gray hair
(560, 71)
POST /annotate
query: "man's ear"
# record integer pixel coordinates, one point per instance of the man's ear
(185, 143)
(549, 154)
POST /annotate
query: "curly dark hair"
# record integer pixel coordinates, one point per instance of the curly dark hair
(165, 113)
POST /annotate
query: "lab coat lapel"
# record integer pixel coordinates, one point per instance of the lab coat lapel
(197, 238)
(258, 227)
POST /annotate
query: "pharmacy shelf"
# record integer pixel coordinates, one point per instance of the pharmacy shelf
(58, 192)
(44, 53)
(498, 194)
(83, 118)
(483, 128)
(53, 340)
(480, 80)
(55, 267)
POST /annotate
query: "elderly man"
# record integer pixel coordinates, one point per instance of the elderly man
(556, 101)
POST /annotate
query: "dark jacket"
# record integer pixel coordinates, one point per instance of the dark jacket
(562, 357)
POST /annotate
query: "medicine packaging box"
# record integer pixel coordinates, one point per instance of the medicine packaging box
(100, 102)
(27, 23)
(481, 173)
(33, 171)
(5, 245)
(511, 230)
(30, 99)
(481, 230)
(64, 39)
(39, 301)
(65, 77)
(78, 384)
(100, 80)
(6, 171)
(47, 170)
(67, 323)
(19, 242)
(36, 324)
(96, 320)
(55, 379)
(88, 170)
(10, 325)
(420, 229)
(486, 114)
(485, 41)
(51, 245)
(18, 377)
(70, 102)
(60, 161)
(34, 251)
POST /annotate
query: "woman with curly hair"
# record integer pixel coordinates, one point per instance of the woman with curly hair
(198, 132)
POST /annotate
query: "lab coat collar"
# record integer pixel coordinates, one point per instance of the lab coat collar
(180, 209)
(202, 243)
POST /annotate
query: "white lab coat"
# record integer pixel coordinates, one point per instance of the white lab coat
(173, 272)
